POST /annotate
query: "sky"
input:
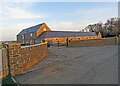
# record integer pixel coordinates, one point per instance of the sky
(59, 16)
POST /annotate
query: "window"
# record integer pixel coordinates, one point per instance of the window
(23, 42)
(44, 29)
(23, 36)
(31, 34)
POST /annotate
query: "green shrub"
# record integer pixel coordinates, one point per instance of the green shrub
(8, 81)
(63, 44)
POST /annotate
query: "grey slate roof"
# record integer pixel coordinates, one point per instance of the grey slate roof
(30, 29)
(50, 34)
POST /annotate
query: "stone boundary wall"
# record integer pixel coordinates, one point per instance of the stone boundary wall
(96, 42)
(22, 58)
(0, 64)
(119, 40)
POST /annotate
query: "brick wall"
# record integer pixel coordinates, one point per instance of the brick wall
(95, 42)
(22, 58)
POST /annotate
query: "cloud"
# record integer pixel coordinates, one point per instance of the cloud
(91, 11)
(96, 13)
(17, 13)
(20, 1)
(61, 0)
(12, 11)
(64, 26)
(75, 21)
(9, 31)
(93, 15)
(14, 18)
(71, 25)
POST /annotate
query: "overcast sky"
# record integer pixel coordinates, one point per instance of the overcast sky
(67, 16)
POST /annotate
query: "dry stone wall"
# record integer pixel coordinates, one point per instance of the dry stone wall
(95, 42)
(22, 58)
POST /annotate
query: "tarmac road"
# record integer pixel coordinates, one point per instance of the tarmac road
(80, 65)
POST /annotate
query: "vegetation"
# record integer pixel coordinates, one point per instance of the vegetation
(63, 44)
(108, 29)
(8, 81)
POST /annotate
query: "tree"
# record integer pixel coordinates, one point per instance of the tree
(110, 28)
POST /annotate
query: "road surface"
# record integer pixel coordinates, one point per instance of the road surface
(80, 65)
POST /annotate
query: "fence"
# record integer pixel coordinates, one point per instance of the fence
(96, 42)
(22, 58)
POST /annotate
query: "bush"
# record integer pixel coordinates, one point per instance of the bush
(63, 44)
(8, 81)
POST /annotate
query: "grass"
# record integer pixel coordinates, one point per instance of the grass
(63, 44)
(8, 81)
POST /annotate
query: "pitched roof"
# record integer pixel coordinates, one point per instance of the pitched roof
(30, 29)
(49, 34)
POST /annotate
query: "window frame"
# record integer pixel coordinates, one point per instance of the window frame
(31, 34)
(23, 36)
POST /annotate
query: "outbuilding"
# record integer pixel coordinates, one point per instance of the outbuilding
(42, 33)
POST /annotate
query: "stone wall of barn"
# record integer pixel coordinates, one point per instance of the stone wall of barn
(95, 42)
(22, 58)
(62, 40)
(43, 28)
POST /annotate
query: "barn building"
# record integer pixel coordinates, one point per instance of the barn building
(42, 33)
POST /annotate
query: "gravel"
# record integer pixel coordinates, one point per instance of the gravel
(79, 65)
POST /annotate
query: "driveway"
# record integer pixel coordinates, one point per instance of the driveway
(80, 65)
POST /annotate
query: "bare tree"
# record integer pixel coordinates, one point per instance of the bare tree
(110, 28)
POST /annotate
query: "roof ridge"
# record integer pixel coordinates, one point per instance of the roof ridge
(31, 29)
(71, 31)
(64, 31)
(48, 34)
(33, 26)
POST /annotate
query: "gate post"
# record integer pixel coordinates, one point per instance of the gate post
(67, 41)
(8, 60)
